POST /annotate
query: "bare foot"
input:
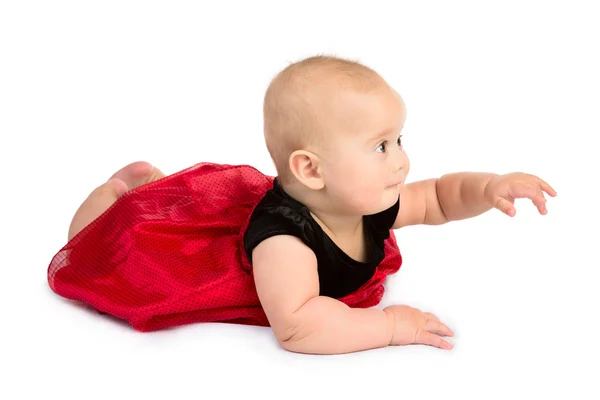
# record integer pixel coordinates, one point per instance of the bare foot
(136, 174)
(127, 178)
(96, 203)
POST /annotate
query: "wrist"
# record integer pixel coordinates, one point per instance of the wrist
(391, 325)
(485, 184)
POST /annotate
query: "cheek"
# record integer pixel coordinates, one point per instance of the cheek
(370, 175)
(363, 181)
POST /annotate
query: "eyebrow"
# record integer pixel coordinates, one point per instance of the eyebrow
(383, 134)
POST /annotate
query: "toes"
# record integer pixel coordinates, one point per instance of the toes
(135, 171)
(119, 187)
(135, 174)
(156, 174)
(140, 169)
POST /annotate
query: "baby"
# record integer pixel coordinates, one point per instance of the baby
(333, 129)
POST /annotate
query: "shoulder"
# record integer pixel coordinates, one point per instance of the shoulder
(279, 214)
(280, 249)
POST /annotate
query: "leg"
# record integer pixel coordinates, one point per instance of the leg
(127, 178)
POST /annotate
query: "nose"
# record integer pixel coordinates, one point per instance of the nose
(399, 160)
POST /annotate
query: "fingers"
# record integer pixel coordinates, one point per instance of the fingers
(540, 203)
(430, 335)
(536, 193)
(431, 339)
(505, 206)
(438, 328)
(537, 197)
(530, 191)
(430, 315)
(547, 188)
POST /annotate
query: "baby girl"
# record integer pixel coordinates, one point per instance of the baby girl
(305, 252)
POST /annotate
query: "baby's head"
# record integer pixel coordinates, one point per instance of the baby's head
(332, 127)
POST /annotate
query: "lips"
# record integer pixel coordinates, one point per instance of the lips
(400, 180)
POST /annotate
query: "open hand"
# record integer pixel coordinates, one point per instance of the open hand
(502, 190)
(413, 326)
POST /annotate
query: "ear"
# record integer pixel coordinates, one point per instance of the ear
(305, 167)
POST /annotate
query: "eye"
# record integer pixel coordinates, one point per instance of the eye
(384, 143)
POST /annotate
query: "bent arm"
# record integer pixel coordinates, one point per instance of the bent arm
(287, 284)
(324, 325)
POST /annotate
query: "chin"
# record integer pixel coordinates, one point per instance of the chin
(390, 196)
(394, 193)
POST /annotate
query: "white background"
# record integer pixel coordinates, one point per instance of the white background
(87, 87)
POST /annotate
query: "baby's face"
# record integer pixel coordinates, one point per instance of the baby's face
(365, 164)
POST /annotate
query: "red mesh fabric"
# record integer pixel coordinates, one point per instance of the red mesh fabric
(171, 253)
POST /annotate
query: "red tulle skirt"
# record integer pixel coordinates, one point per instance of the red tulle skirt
(171, 252)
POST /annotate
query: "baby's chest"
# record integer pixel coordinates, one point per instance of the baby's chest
(357, 248)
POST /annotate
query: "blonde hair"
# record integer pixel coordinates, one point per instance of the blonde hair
(291, 122)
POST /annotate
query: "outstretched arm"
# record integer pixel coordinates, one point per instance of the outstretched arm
(462, 195)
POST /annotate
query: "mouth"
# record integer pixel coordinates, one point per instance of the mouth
(399, 181)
